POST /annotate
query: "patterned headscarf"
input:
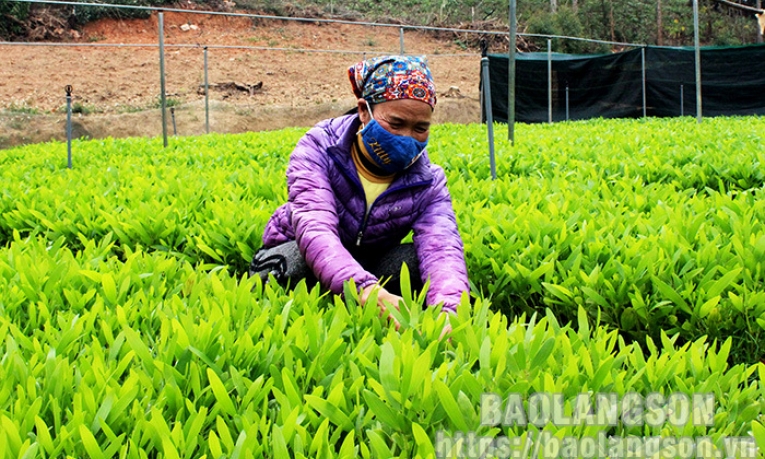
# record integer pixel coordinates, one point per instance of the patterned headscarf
(386, 78)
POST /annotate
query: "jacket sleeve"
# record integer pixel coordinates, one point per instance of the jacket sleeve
(315, 220)
(439, 247)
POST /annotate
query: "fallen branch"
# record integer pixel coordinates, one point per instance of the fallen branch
(740, 6)
(232, 86)
(758, 13)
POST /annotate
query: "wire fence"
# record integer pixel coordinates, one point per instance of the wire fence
(215, 83)
(201, 46)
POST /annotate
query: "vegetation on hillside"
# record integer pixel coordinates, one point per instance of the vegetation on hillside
(651, 22)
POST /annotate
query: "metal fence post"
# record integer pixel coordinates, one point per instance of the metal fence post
(486, 98)
(401, 40)
(207, 97)
(68, 90)
(162, 94)
(697, 49)
(484, 54)
(549, 80)
(511, 72)
(642, 56)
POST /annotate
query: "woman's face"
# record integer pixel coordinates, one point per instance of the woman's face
(407, 117)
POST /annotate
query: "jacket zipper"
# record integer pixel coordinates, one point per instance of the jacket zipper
(363, 228)
(355, 179)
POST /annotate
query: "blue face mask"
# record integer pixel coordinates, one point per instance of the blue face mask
(390, 152)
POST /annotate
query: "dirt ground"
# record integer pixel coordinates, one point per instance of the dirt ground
(116, 77)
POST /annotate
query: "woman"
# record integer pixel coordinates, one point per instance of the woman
(358, 184)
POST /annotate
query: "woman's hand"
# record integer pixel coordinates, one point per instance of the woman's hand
(384, 300)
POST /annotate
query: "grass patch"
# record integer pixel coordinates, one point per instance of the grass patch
(21, 109)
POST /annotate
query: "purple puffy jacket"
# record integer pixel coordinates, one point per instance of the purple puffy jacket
(326, 208)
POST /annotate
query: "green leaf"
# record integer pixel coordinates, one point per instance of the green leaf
(216, 450)
(758, 432)
(544, 268)
(707, 307)
(12, 436)
(207, 250)
(43, 435)
(379, 446)
(406, 285)
(387, 375)
(90, 443)
(192, 431)
(723, 282)
(225, 434)
(348, 448)
(484, 357)
(141, 350)
(333, 413)
(110, 287)
(584, 324)
(95, 276)
(205, 359)
(424, 445)
(320, 443)
(450, 406)
(168, 449)
(596, 297)
(670, 294)
(290, 387)
(30, 450)
(383, 412)
(559, 291)
(103, 412)
(544, 352)
(220, 392)
(278, 444)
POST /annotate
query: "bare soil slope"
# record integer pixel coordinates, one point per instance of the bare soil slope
(299, 80)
